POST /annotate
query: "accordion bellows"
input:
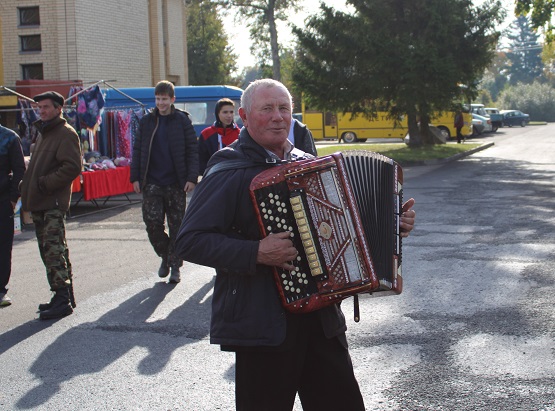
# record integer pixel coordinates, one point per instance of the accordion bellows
(343, 212)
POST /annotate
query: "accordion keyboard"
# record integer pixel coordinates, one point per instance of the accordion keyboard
(277, 215)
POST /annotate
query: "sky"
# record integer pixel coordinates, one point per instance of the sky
(238, 32)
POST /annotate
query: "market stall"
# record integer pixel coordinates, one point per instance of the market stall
(106, 137)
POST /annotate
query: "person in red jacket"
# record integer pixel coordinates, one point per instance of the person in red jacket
(221, 134)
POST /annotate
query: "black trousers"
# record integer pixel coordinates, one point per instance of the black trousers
(316, 367)
(459, 135)
(6, 243)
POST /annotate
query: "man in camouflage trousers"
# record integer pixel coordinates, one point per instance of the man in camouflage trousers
(46, 193)
(164, 167)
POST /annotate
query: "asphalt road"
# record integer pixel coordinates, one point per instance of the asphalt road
(472, 330)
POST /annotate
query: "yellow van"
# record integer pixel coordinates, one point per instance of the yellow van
(343, 127)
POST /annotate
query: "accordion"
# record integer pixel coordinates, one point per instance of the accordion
(343, 213)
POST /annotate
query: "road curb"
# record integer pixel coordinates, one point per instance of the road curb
(438, 161)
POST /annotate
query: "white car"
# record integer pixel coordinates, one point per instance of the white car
(480, 124)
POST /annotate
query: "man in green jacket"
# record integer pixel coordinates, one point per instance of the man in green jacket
(46, 193)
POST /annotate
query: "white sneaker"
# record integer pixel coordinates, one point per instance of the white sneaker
(5, 300)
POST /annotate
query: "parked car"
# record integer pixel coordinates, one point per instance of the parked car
(515, 118)
(478, 109)
(480, 124)
(495, 116)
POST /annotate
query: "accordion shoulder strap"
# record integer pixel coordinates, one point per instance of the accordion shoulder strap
(232, 164)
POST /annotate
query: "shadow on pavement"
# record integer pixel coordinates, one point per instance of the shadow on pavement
(91, 347)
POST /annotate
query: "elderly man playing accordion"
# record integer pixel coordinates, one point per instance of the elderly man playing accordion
(278, 353)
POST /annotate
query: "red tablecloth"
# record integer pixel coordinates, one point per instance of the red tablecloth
(76, 185)
(106, 183)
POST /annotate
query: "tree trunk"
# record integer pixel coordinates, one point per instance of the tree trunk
(425, 130)
(274, 47)
(414, 132)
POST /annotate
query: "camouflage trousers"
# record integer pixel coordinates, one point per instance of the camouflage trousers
(161, 203)
(51, 237)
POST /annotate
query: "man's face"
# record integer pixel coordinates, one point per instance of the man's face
(164, 104)
(47, 110)
(226, 115)
(270, 118)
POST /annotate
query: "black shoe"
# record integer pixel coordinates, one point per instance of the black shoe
(46, 306)
(164, 270)
(60, 306)
(176, 276)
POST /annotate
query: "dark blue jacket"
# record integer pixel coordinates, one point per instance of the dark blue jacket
(12, 164)
(220, 230)
(183, 145)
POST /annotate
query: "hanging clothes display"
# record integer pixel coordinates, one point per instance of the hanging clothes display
(26, 116)
(89, 107)
(118, 131)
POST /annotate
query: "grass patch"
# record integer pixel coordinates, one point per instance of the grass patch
(402, 153)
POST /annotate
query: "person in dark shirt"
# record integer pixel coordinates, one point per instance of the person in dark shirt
(164, 167)
(278, 354)
(12, 167)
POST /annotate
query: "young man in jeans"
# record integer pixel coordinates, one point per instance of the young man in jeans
(164, 167)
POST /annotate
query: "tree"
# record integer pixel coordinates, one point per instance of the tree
(211, 59)
(525, 54)
(409, 57)
(263, 16)
(540, 12)
(548, 58)
(536, 99)
(496, 75)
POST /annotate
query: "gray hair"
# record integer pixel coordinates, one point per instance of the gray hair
(246, 98)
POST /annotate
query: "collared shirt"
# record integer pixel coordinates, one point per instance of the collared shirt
(287, 151)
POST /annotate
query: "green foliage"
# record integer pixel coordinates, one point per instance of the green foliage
(537, 100)
(261, 17)
(525, 55)
(540, 12)
(401, 153)
(495, 77)
(484, 97)
(211, 59)
(410, 56)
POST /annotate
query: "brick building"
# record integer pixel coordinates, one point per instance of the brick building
(130, 43)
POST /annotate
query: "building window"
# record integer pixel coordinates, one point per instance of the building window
(29, 16)
(32, 71)
(30, 43)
